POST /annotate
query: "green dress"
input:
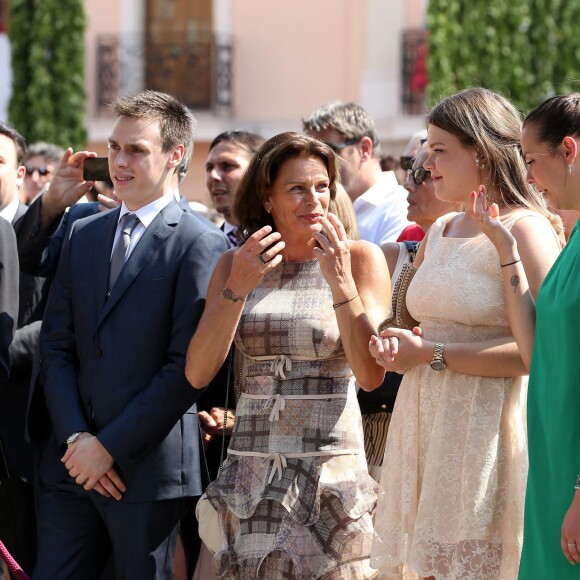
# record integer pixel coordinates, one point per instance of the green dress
(553, 419)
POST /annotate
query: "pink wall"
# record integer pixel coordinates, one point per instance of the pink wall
(291, 57)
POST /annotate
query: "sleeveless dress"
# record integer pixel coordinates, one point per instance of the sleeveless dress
(452, 488)
(294, 495)
(553, 419)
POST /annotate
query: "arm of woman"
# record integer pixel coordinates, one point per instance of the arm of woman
(237, 273)
(491, 358)
(526, 254)
(358, 276)
(391, 253)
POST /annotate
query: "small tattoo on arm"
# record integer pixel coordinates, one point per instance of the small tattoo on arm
(515, 281)
(229, 295)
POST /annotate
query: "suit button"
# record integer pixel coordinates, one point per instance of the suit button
(383, 406)
(98, 352)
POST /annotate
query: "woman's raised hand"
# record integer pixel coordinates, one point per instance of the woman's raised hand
(334, 254)
(257, 256)
(487, 218)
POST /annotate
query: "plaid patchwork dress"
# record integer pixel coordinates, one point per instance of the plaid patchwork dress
(294, 495)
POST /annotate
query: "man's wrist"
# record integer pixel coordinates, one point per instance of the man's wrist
(73, 437)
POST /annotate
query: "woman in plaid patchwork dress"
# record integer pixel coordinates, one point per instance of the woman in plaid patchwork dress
(294, 496)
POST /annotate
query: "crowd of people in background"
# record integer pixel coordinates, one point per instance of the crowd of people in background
(336, 371)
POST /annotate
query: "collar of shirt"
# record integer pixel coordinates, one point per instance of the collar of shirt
(10, 210)
(376, 194)
(148, 213)
(228, 227)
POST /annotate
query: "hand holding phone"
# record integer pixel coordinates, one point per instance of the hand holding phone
(96, 169)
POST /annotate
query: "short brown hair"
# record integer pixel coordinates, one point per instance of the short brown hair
(176, 123)
(264, 167)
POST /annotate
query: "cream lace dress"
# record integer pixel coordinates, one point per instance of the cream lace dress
(453, 481)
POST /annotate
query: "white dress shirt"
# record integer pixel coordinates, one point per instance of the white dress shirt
(146, 215)
(381, 211)
(10, 210)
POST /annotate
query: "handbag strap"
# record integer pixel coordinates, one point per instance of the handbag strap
(230, 364)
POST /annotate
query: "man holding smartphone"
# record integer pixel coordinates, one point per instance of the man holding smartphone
(124, 444)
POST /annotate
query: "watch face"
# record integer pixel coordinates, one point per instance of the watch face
(438, 365)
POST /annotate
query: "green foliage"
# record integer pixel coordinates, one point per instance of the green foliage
(47, 39)
(525, 49)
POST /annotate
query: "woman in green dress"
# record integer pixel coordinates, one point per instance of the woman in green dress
(551, 147)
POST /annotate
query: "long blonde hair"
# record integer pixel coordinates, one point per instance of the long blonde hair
(488, 122)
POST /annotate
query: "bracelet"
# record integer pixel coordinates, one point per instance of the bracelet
(511, 263)
(339, 304)
(577, 486)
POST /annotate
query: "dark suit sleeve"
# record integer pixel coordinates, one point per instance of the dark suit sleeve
(153, 413)
(58, 353)
(8, 294)
(38, 247)
(23, 347)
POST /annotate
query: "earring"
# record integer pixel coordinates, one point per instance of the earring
(570, 169)
(268, 209)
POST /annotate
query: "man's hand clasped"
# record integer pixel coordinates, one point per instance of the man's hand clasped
(91, 466)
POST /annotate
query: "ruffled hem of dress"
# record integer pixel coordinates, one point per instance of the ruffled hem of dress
(357, 495)
(297, 549)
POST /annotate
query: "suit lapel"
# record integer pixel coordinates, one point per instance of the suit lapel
(148, 246)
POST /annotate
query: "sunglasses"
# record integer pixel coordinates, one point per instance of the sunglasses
(406, 163)
(418, 175)
(339, 146)
(42, 171)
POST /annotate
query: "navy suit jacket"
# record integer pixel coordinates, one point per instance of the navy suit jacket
(115, 366)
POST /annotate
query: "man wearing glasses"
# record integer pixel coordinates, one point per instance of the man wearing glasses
(379, 201)
(40, 162)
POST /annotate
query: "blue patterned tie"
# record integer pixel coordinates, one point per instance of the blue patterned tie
(128, 223)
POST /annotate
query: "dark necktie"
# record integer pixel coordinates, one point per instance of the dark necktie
(128, 222)
(233, 238)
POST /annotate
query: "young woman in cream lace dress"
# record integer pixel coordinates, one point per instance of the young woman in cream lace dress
(453, 481)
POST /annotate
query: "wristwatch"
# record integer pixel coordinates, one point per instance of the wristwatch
(438, 364)
(72, 438)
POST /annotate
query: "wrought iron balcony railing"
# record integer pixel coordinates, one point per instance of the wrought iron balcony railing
(414, 70)
(198, 72)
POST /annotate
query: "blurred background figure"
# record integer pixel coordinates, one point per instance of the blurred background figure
(229, 156)
(41, 161)
(412, 148)
(378, 199)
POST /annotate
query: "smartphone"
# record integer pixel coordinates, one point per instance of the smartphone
(96, 169)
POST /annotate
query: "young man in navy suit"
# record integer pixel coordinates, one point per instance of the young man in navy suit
(123, 456)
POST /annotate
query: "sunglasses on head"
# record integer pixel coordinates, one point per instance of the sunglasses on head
(42, 171)
(418, 175)
(336, 147)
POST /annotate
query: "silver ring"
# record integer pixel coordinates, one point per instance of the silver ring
(262, 259)
(572, 545)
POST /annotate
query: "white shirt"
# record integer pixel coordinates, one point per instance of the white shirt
(10, 210)
(146, 215)
(381, 211)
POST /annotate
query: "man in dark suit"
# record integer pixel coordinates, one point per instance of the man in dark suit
(113, 352)
(8, 310)
(17, 524)
(8, 295)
